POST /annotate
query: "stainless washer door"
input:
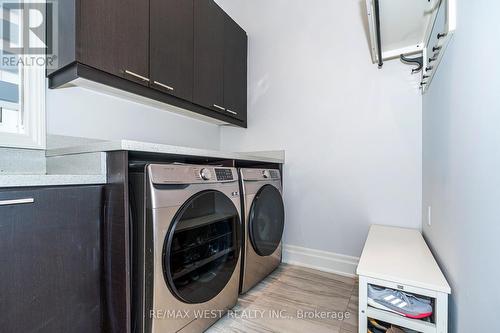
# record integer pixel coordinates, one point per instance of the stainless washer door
(266, 220)
(201, 248)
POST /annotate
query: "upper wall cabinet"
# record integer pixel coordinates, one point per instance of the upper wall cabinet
(171, 49)
(235, 68)
(220, 61)
(114, 37)
(184, 53)
(209, 55)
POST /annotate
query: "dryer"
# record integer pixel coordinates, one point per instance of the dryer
(186, 232)
(264, 220)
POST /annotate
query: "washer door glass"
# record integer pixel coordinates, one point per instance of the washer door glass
(266, 220)
(201, 249)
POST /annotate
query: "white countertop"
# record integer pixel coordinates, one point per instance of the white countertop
(402, 256)
(79, 169)
(82, 162)
(147, 147)
(49, 180)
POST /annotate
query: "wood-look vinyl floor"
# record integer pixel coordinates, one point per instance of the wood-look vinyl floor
(295, 300)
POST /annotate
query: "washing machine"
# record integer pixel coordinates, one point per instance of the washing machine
(264, 220)
(186, 241)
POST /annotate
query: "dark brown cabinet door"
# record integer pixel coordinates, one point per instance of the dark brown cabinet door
(50, 259)
(171, 47)
(114, 37)
(209, 55)
(235, 69)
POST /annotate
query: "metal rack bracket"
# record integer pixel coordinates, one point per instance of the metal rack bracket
(427, 27)
(438, 40)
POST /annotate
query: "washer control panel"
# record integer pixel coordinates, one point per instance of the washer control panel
(190, 174)
(224, 174)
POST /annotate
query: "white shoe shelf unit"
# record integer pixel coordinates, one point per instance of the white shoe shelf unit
(399, 259)
(419, 30)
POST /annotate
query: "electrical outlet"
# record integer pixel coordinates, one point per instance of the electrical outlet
(429, 216)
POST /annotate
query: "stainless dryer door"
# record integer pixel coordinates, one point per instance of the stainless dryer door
(201, 248)
(266, 220)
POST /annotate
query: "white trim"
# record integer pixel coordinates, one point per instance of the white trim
(9, 105)
(321, 260)
(32, 108)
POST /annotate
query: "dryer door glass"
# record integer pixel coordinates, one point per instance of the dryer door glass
(201, 249)
(266, 220)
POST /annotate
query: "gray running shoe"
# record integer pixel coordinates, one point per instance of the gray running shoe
(396, 301)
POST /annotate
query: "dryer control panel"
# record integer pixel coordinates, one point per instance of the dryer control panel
(260, 174)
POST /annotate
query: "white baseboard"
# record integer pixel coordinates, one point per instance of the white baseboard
(321, 260)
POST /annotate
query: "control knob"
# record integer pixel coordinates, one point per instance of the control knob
(266, 174)
(205, 174)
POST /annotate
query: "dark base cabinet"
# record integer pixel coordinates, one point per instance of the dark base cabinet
(51, 260)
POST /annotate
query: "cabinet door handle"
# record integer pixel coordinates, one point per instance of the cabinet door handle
(143, 78)
(16, 201)
(163, 85)
(219, 107)
(232, 112)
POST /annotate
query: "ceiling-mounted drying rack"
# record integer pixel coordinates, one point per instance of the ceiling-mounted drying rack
(415, 31)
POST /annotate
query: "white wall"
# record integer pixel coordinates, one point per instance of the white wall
(461, 167)
(352, 132)
(83, 113)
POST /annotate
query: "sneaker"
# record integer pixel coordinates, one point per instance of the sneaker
(396, 301)
(375, 324)
(373, 329)
(397, 329)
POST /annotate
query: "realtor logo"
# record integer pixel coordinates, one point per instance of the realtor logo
(28, 32)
